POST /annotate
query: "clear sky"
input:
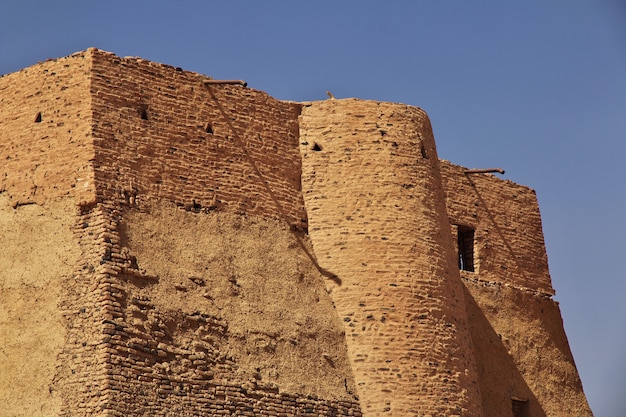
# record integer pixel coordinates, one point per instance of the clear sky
(537, 87)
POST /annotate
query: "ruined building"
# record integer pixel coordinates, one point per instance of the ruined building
(177, 246)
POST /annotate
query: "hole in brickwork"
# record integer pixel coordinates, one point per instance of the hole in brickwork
(465, 242)
(519, 407)
(38, 118)
(144, 113)
(316, 147)
(209, 128)
(424, 154)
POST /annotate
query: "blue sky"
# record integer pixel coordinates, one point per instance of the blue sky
(535, 87)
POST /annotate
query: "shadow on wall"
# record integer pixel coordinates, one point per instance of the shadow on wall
(503, 389)
(279, 207)
(513, 256)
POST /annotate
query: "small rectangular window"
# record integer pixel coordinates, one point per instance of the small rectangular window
(520, 407)
(465, 241)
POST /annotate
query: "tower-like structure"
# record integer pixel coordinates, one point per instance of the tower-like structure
(173, 245)
(377, 220)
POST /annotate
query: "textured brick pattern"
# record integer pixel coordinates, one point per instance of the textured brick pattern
(45, 131)
(508, 244)
(377, 221)
(378, 313)
(247, 162)
(521, 348)
(154, 361)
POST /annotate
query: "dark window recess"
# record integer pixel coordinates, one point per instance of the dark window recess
(38, 118)
(465, 239)
(209, 128)
(144, 113)
(520, 407)
(316, 147)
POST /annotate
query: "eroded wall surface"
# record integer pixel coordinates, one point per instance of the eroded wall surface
(157, 261)
(221, 314)
(160, 132)
(377, 221)
(114, 147)
(46, 176)
(521, 348)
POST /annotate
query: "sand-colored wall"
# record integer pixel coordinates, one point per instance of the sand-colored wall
(377, 221)
(522, 352)
(38, 256)
(220, 313)
(46, 174)
(45, 131)
(508, 242)
(176, 276)
(521, 348)
(205, 150)
(248, 162)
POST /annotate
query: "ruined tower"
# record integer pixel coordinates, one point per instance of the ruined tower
(177, 246)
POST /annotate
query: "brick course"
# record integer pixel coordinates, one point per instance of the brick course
(356, 279)
(151, 140)
(377, 220)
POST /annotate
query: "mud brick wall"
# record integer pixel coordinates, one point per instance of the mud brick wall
(160, 132)
(521, 347)
(84, 377)
(522, 352)
(508, 240)
(242, 317)
(46, 151)
(45, 126)
(163, 348)
(377, 221)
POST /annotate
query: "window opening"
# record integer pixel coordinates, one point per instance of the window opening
(144, 112)
(38, 118)
(316, 147)
(519, 407)
(423, 151)
(465, 239)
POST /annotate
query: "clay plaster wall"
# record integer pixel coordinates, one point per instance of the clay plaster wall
(186, 287)
(522, 352)
(46, 151)
(219, 313)
(377, 221)
(163, 347)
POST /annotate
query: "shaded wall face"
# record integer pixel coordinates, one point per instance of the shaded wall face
(196, 316)
(45, 144)
(523, 353)
(161, 133)
(508, 236)
(521, 349)
(377, 222)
